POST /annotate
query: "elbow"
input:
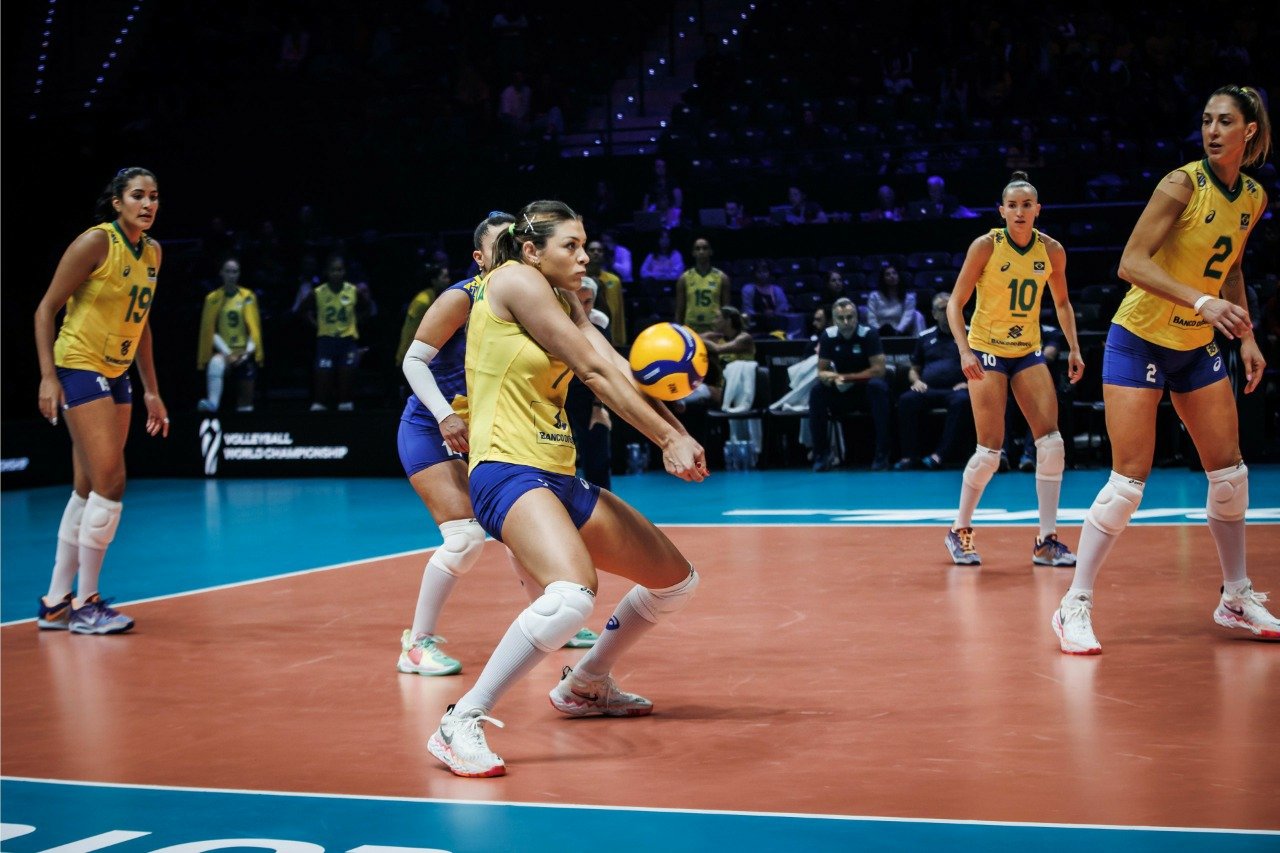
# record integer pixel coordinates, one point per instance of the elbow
(1125, 271)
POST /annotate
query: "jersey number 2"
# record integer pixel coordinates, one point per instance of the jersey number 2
(1225, 246)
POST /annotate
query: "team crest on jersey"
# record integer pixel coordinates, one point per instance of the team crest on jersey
(151, 273)
(1211, 349)
(1015, 332)
(344, 299)
(1250, 186)
(1038, 266)
(1200, 178)
(1244, 222)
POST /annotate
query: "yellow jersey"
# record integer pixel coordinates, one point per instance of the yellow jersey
(234, 318)
(701, 297)
(107, 313)
(515, 394)
(336, 311)
(412, 319)
(610, 299)
(1006, 321)
(1201, 248)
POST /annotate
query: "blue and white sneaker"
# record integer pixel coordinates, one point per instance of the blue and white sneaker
(1051, 552)
(97, 616)
(584, 639)
(960, 546)
(55, 618)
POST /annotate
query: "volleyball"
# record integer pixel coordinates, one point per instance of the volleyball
(668, 361)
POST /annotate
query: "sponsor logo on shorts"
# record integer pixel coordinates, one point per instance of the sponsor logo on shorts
(1217, 365)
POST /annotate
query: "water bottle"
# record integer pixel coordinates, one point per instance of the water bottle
(748, 455)
(637, 458)
(731, 455)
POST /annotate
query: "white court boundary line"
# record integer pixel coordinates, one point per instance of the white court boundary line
(710, 812)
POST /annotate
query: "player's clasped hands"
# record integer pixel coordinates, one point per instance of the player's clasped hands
(685, 458)
(1227, 317)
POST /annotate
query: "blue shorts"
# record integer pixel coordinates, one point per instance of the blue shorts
(85, 386)
(1135, 362)
(1009, 365)
(334, 352)
(419, 440)
(496, 486)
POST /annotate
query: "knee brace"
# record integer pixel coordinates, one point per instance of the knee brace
(463, 542)
(101, 518)
(1115, 504)
(1050, 456)
(1228, 493)
(557, 615)
(982, 467)
(69, 527)
(653, 604)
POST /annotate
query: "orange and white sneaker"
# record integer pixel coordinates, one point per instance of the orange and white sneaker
(1050, 551)
(460, 744)
(578, 697)
(1073, 623)
(960, 546)
(1247, 610)
(421, 655)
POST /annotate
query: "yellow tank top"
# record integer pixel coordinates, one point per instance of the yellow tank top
(1006, 321)
(701, 298)
(1200, 249)
(106, 314)
(515, 394)
(230, 325)
(336, 312)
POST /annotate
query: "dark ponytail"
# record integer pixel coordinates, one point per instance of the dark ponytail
(104, 210)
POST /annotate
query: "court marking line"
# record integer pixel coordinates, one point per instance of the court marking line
(709, 812)
(682, 525)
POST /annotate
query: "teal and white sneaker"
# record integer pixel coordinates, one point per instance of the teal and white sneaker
(584, 639)
(578, 697)
(421, 655)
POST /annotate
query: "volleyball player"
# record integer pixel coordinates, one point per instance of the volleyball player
(1009, 268)
(106, 280)
(1183, 264)
(527, 332)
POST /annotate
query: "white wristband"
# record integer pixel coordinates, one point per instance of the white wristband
(423, 382)
(1201, 301)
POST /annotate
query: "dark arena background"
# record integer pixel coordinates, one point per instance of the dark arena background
(838, 684)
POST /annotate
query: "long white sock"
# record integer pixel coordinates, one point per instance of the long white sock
(1094, 547)
(66, 559)
(97, 529)
(433, 592)
(512, 660)
(214, 379)
(623, 630)
(1229, 537)
(1047, 494)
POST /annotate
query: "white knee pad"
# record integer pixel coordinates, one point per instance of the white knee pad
(1228, 493)
(1115, 504)
(1050, 456)
(653, 604)
(69, 527)
(463, 542)
(982, 467)
(557, 615)
(101, 518)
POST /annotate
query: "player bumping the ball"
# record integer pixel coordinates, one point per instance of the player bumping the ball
(526, 335)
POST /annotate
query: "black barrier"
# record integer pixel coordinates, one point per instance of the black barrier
(235, 444)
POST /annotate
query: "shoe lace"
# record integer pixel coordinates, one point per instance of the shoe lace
(1076, 610)
(965, 535)
(1052, 545)
(469, 729)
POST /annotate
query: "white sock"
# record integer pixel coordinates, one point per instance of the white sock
(432, 594)
(622, 631)
(1229, 537)
(214, 384)
(512, 660)
(1094, 547)
(66, 560)
(90, 568)
(1076, 592)
(1047, 492)
(1235, 587)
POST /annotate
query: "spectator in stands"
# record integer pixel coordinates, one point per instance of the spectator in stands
(514, 104)
(702, 290)
(335, 309)
(604, 212)
(832, 289)
(819, 324)
(617, 257)
(609, 294)
(230, 340)
(588, 418)
(936, 380)
(886, 209)
(891, 314)
(436, 279)
(735, 216)
(763, 301)
(851, 369)
(663, 196)
(802, 211)
(664, 263)
(1025, 153)
(937, 204)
